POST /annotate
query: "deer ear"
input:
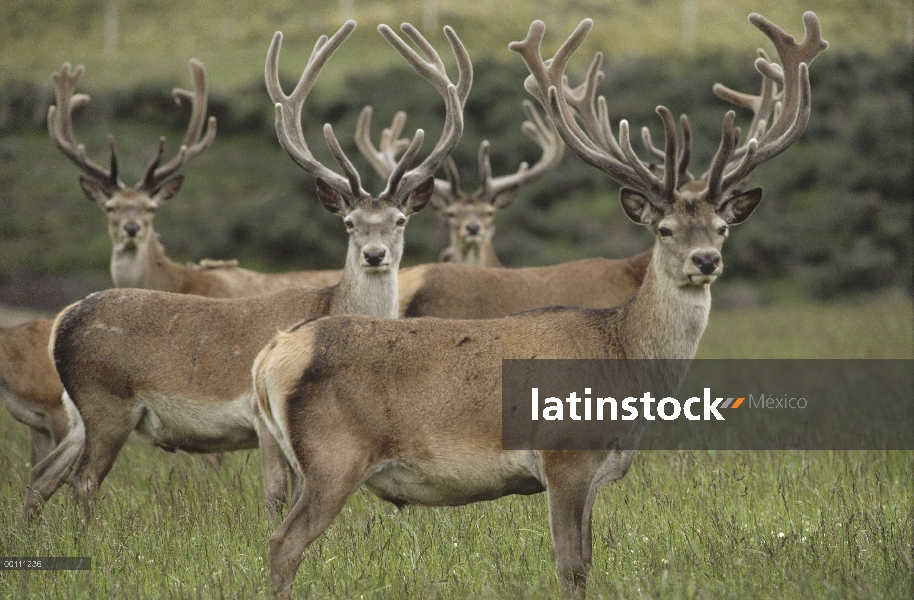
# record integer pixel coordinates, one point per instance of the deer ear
(419, 197)
(638, 208)
(168, 189)
(504, 199)
(738, 207)
(93, 191)
(331, 199)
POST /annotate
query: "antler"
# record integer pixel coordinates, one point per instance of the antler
(192, 145)
(596, 146)
(400, 181)
(730, 166)
(383, 158)
(60, 128)
(791, 113)
(289, 109)
(761, 105)
(546, 137)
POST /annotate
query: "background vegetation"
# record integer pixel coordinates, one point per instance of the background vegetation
(837, 214)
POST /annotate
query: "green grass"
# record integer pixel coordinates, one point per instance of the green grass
(679, 525)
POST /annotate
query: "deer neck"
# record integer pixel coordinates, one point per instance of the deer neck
(477, 254)
(665, 319)
(363, 292)
(145, 265)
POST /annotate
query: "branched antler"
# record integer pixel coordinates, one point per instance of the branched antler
(192, 145)
(594, 142)
(401, 180)
(60, 128)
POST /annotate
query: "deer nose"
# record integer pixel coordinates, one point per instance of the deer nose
(374, 257)
(707, 262)
(472, 228)
(131, 229)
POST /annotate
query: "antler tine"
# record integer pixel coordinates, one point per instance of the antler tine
(685, 153)
(551, 73)
(60, 127)
(432, 67)
(583, 98)
(649, 144)
(198, 100)
(546, 137)
(383, 159)
(289, 114)
(192, 145)
(452, 191)
(341, 159)
(485, 168)
(728, 139)
(549, 76)
(402, 182)
(761, 105)
(792, 114)
(663, 190)
(683, 175)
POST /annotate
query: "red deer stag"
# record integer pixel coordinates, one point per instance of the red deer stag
(411, 408)
(177, 367)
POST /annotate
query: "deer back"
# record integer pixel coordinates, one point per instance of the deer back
(454, 291)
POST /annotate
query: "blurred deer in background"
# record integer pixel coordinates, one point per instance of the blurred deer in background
(138, 259)
(471, 217)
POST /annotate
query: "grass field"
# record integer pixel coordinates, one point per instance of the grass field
(679, 525)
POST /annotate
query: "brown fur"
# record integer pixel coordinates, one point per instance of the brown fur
(29, 384)
(177, 367)
(412, 409)
(467, 292)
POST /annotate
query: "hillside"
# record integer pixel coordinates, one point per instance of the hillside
(123, 42)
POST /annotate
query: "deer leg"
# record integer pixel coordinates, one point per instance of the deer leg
(41, 444)
(571, 491)
(108, 423)
(35, 421)
(47, 476)
(275, 466)
(323, 493)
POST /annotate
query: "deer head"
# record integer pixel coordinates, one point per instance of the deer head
(689, 217)
(375, 223)
(130, 209)
(470, 217)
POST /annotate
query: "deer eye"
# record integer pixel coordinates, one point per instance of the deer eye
(665, 232)
(349, 225)
(401, 221)
(109, 209)
(722, 230)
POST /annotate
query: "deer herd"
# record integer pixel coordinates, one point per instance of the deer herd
(331, 374)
